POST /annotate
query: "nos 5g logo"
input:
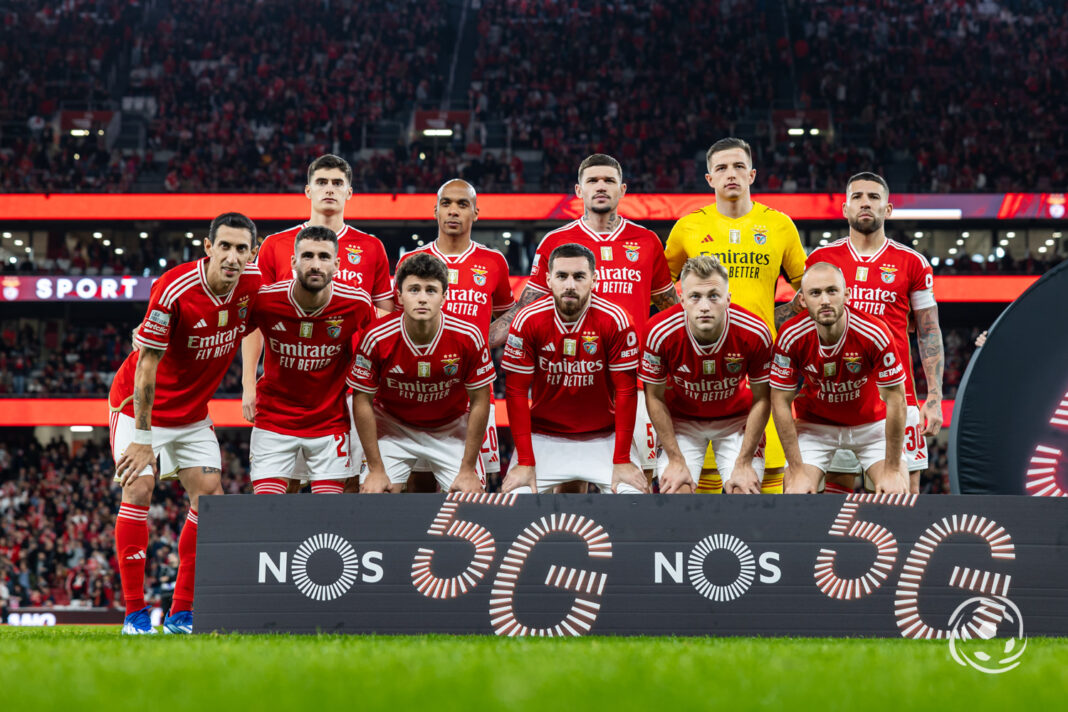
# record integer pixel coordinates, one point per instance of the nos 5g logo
(324, 552)
(671, 564)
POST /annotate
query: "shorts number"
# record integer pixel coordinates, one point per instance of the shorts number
(912, 438)
(489, 440)
(650, 439)
(341, 439)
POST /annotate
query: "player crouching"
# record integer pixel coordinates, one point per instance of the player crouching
(415, 375)
(716, 358)
(307, 325)
(853, 396)
(580, 353)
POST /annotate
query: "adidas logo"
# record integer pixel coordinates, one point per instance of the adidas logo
(810, 367)
(200, 324)
(684, 369)
(548, 347)
(278, 327)
(397, 369)
(135, 557)
(708, 238)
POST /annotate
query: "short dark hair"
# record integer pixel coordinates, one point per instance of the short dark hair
(600, 159)
(867, 175)
(234, 220)
(319, 233)
(725, 144)
(572, 249)
(327, 161)
(424, 266)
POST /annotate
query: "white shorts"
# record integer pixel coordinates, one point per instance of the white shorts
(578, 458)
(442, 450)
(724, 435)
(914, 448)
(491, 449)
(326, 457)
(645, 440)
(818, 442)
(193, 445)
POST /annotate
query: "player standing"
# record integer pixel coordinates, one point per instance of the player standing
(159, 404)
(416, 374)
(580, 353)
(631, 270)
(716, 357)
(895, 283)
(479, 288)
(309, 324)
(853, 396)
(755, 244)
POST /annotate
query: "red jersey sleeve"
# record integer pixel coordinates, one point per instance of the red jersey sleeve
(381, 286)
(518, 352)
(889, 368)
(267, 261)
(623, 350)
(921, 285)
(502, 293)
(783, 369)
(661, 276)
(363, 374)
(479, 367)
(154, 332)
(651, 368)
(539, 269)
(759, 370)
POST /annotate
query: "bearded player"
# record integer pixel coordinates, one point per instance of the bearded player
(301, 414)
(895, 283)
(479, 288)
(421, 388)
(755, 244)
(575, 354)
(159, 405)
(631, 270)
(705, 367)
(853, 396)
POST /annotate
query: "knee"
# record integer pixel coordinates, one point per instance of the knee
(139, 492)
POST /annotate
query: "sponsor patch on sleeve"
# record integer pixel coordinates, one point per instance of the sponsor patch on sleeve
(516, 342)
(363, 362)
(159, 317)
(782, 360)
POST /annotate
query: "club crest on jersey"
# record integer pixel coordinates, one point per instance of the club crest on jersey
(333, 327)
(306, 329)
(479, 275)
(852, 362)
(451, 365)
(454, 276)
(224, 317)
(760, 235)
(632, 252)
(355, 254)
(888, 273)
(734, 362)
(862, 274)
(569, 347)
(734, 237)
(829, 370)
(606, 252)
(708, 367)
(589, 344)
(423, 369)
(242, 308)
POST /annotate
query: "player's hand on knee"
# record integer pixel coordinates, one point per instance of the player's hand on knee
(676, 478)
(797, 481)
(891, 479)
(744, 479)
(133, 462)
(466, 481)
(520, 476)
(376, 483)
(629, 474)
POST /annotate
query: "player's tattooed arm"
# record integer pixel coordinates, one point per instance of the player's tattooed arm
(145, 387)
(666, 299)
(498, 330)
(933, 358)
(785, 312)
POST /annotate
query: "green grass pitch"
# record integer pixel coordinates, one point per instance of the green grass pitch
(79, 669)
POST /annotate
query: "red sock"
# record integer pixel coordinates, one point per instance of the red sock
(270, 485)
(187, 565)
(131, 541)
(328, 486)
(835, 488)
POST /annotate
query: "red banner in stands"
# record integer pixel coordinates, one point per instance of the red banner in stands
(28, 412)
(507, 207)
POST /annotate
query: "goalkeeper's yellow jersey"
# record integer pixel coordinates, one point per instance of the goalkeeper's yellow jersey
(753, 248)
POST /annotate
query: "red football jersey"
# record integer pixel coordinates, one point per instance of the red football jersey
(302, 389)
(631, 267)
(424, 386)
(841, 380)
(363, 260)
(707, 381)
(478, 284)
(572, 391)
(199, 331)
(889, 284)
